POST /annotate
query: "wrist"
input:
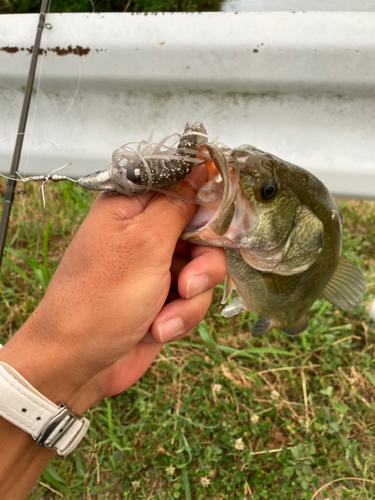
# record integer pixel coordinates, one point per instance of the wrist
(52, 426)
(48, 367)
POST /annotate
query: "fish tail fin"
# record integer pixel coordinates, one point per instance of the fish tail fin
(295, 328)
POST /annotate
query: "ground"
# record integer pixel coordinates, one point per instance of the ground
(219, 415)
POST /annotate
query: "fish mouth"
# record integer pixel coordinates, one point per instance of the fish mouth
(224, 213)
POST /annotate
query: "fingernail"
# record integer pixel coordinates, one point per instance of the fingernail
(196, 285)
(171, 328)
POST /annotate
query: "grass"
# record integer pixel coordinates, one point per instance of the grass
(219, 415)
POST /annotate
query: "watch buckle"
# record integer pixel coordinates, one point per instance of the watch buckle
(52, 424)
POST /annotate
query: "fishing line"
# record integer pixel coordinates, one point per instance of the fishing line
(32, 125)
(27, 134)
(38, 75)
(11, 183)
(79, 71)
(36, 109)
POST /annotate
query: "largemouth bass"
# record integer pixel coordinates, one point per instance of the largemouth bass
(282, 233)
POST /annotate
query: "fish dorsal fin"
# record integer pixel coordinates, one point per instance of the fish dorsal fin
(295, 328)
(234, 307)
(346, 286)
(229, 286)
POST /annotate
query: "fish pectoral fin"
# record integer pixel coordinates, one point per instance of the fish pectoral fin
(346, 286)
(229, 286)
(295, 328)
(304, 243)
(234, 307)
(261, 327)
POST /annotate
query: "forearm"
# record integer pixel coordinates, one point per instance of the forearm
(21, 461)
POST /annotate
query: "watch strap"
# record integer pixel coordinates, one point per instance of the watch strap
(52, 426)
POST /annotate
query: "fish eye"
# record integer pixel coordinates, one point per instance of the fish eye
(268, 189)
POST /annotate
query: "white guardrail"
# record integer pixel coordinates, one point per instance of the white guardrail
(299, 85)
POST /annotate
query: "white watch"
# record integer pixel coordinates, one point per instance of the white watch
(52, 426)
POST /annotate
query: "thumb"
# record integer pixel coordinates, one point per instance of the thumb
(167, 216)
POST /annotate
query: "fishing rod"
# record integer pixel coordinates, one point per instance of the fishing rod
(11, 183)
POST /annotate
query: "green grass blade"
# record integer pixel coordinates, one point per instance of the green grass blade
(205, 334)
(186, 483)
(52, 476)
(16, 269)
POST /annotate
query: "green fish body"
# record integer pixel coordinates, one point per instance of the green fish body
(282, 235)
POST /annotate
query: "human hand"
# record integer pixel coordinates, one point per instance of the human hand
(117, 281)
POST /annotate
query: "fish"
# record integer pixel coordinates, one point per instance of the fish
(282, 235)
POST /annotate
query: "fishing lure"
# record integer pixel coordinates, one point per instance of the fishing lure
(137, 168)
